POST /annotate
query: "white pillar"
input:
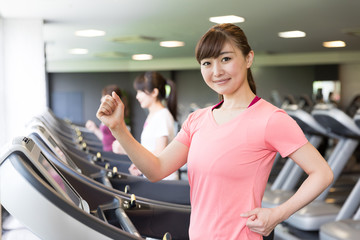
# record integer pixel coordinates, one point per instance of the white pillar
(23, 87)
(2, 88)
(2, 101)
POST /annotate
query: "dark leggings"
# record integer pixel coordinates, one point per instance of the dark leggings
(270, 237)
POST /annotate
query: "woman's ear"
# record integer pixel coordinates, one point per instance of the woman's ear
(155, 92)
(249, 59)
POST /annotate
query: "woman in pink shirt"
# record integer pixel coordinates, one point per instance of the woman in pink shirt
(229, 148)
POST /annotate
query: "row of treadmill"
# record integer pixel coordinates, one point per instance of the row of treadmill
(59, 184)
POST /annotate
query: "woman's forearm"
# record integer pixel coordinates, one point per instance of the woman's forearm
(144, 160)
(312, 187)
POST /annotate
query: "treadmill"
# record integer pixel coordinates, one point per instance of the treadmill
(176, 192)
(347, 223)
(318, 212)
(35, 192)
(122, 162)
(77, 134)
(152, 217)
(285, 183)
(76, 150)
(69, 131)
(77, 146)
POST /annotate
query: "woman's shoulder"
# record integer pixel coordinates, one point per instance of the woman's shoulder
(199, 113)
(163, 114)
(195, 119)
(273, 114)
(267, 107)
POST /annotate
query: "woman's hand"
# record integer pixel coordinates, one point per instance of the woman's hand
(134, 170)
(262, 220)
(91, 126)
(111, 111)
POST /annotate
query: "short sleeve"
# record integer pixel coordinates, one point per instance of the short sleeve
(283, 134)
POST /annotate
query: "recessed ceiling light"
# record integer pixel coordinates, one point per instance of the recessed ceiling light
(172, 44)
(78, 51)
(141, 57)
(227, 19)
(89, 33)
(292, 34)
(334, 44)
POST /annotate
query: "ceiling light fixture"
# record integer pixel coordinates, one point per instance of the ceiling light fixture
(227, 19)
(78, 51)
(171, 44)
(334, 44)
(142, 57)
(292, 34)
(89, 33)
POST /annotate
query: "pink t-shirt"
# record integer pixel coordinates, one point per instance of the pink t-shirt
(229, 165)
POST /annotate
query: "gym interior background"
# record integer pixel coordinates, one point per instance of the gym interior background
(34, 72)
(31, 79)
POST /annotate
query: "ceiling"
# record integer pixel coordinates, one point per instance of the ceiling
(183, 20)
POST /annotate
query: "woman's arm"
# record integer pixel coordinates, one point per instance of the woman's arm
(117, 148)
(160, 144)
(155, 168)
(320, 176)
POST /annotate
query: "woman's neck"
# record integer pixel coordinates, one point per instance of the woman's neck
(155, 107)
(237, 102)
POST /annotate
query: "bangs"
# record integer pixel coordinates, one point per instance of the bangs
(140, 84)
(210, 45)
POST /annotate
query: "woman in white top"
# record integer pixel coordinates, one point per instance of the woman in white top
(158, 96)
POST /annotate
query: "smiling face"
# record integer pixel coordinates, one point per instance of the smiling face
(217, 42)
(145, 99)
(227, 73)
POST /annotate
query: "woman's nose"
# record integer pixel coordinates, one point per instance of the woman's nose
(217, 69)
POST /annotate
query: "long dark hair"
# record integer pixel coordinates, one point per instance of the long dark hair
(212, 42)
(148, 81)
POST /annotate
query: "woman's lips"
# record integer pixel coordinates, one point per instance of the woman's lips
(221, 81)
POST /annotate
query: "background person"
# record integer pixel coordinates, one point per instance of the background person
(159, 127)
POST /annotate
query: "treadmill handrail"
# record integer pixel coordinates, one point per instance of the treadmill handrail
(339, 116)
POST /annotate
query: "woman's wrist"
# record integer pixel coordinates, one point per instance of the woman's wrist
(280, 213)
(119, 130)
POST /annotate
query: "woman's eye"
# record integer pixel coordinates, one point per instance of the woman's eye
(205, 63)
(225, 59)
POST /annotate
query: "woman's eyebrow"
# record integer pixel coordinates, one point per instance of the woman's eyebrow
(226, 52)
(221, 53)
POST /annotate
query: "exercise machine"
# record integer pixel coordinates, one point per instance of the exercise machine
(35, 192)
(318, 212)
(177, 192)
(347, 223)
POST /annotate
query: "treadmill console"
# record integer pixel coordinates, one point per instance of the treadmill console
(53, 176)
(39, 129)
(65, 188)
